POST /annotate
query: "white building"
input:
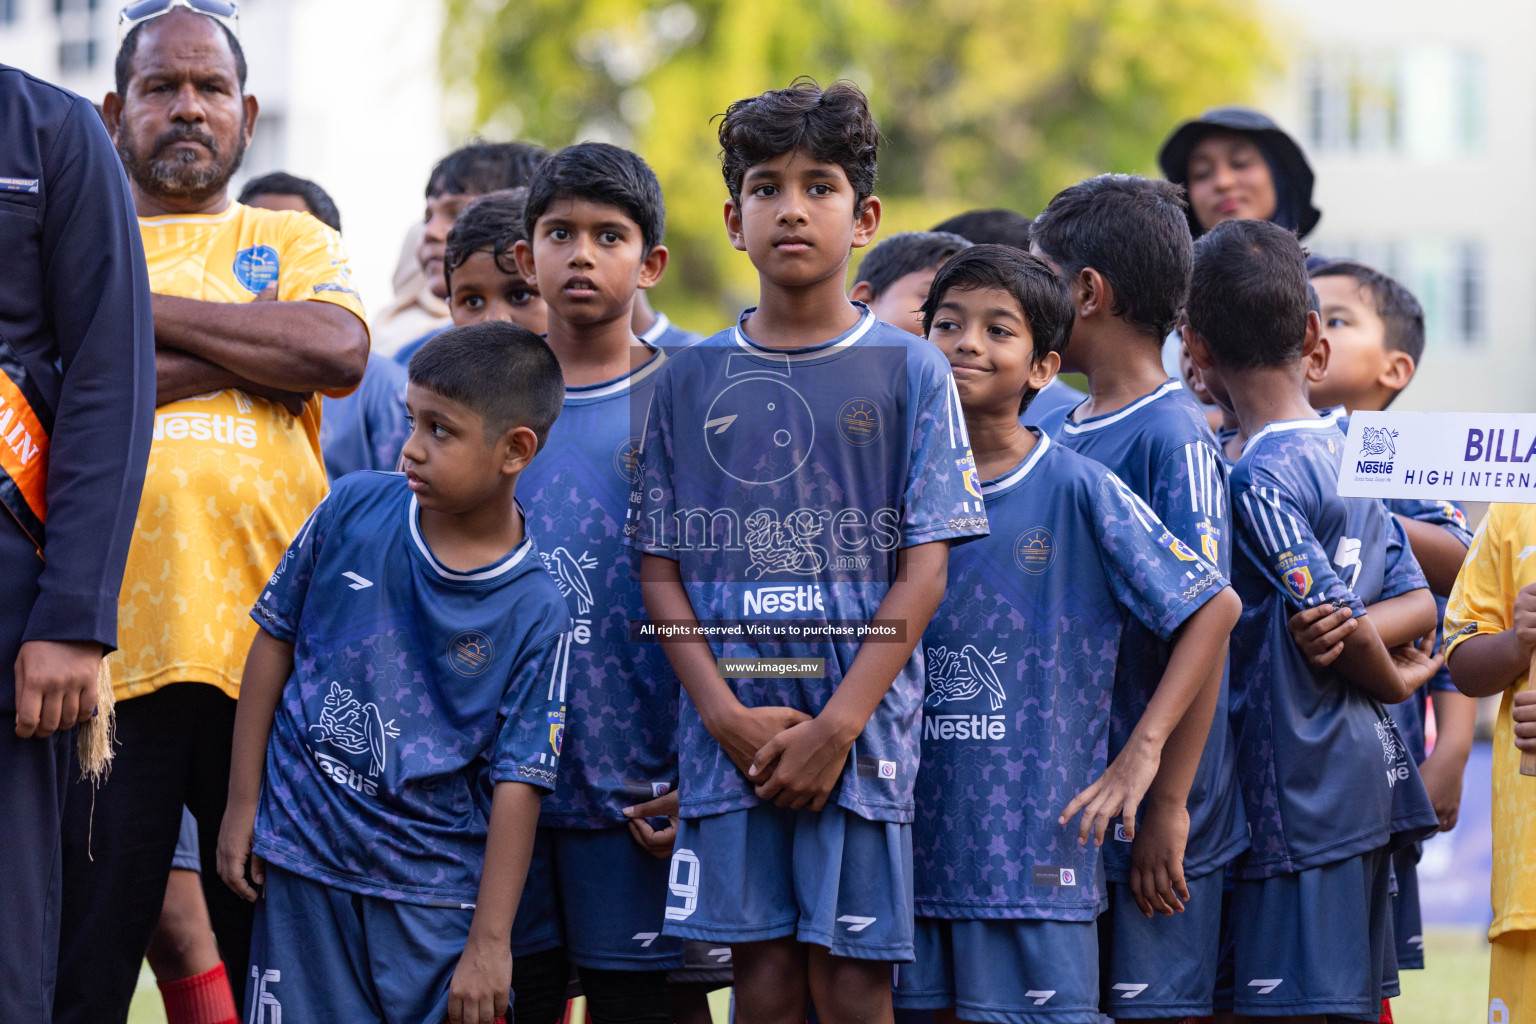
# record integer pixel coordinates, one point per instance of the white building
(1420, 120)
(350, 98)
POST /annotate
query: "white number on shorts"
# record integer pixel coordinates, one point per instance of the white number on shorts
(684, 883)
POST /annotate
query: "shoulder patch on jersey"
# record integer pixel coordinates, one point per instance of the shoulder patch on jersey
(1034, 550)
(1293, 569)
(1210, 538)
(859, 421)
(967, 468)
(556, 722)
(470, 652)
(256, 267)
(1179, 549)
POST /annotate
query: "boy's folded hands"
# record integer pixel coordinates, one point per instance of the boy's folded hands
(744, 731)
(798, 767)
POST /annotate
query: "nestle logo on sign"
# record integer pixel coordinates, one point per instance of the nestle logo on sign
(1374, 468)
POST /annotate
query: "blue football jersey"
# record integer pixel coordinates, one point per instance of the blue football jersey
(1020, 670)
(664, 334)
(784, 483)
(621, 732)
(1325, 772)
(415, 689)
(1162, 447)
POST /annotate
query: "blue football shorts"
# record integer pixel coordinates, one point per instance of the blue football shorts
(826, 877)
(1004, 971)
(597, 893)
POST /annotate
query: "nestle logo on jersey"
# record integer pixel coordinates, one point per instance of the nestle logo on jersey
(964, 727)
(203, 426)
(784, 597)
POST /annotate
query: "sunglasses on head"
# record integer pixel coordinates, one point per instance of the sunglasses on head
(222, 11)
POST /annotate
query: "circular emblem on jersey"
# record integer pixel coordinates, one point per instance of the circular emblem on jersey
(470, 652)
(859, 421)
(627, 459)
(1034, 550)
(759, 430)
(256, 267)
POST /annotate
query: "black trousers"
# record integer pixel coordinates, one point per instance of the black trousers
(33, 776)
(173, 749)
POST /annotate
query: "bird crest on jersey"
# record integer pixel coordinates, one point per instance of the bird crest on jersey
(1391, 746)
(570, 573)
(354, 727)
(1378, 441)
(963, 674)
(783, 546)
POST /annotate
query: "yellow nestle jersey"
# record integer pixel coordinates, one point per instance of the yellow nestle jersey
(1500, 563)
(231, 477)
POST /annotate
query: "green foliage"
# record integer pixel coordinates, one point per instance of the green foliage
(982, 102)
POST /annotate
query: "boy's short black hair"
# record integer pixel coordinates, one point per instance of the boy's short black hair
(1248, 294)
(1042, 295)
(1134, 232)
(279, 183)
(493, 223)
(504, 373)
(998, 226)
(906, 253)
(831, 124)
(600, 173)
(482, 167)
(1400, 312)
(129, 48)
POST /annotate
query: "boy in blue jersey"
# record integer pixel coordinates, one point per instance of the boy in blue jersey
(401, 711)
(1375, 329)
(1006, 898)
(480, 268)
(1122, 245)
(1326, 776)
(802, 473)
(894, 278)
(591, 243)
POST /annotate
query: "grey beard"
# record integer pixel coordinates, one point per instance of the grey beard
(173, 178)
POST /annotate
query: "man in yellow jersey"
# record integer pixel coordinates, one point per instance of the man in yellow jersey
(1490, 633)
(255, 317)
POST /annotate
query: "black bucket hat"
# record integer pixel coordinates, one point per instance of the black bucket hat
(1287, 164)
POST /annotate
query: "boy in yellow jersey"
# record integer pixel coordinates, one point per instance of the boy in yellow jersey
(234, 469)
(1490, 633)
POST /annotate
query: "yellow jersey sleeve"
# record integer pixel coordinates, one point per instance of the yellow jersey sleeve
(314, 268)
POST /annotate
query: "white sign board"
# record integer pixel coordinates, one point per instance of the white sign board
(1459, 456)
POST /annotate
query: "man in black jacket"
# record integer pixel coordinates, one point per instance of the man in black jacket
(77, 388)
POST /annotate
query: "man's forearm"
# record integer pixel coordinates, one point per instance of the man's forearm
(1438, 551)
(293, 346)
(181, 375)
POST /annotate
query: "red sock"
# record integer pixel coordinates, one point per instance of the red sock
(201, 999)
(1386, 1011)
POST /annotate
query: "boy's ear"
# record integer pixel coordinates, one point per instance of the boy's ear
(1194, 343)
(1313, 339)
(733, 226)
(1044, 370)
(1317, 362)
(653, 266)
(522, 255)
(1091, 293)
(520, 445)
(1398, 371)
(862, 292)
(867, 224)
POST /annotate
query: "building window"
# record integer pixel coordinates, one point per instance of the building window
(1422, 101)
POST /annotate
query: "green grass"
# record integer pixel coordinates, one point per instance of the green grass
(1452, 990)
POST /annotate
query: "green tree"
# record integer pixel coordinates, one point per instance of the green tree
(982, 102)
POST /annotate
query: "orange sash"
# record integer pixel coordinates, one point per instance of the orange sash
(25, 423)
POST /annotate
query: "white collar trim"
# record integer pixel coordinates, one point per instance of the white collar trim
(506, 565)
